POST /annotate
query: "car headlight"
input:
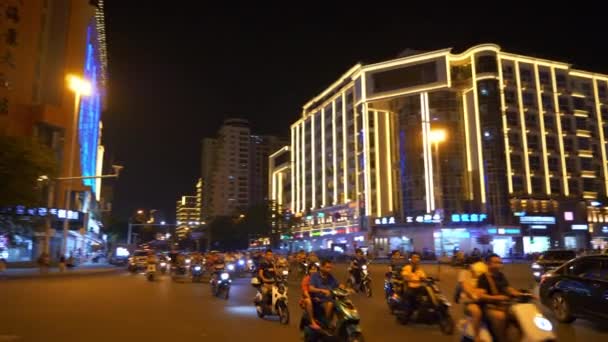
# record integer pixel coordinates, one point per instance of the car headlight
(536, 274)
(536, 266)
(364, 267)
(225, 276)
(197, 268)
(542, 323)
(285, 272)
(163, 264)
(230, 267)
(241, 262)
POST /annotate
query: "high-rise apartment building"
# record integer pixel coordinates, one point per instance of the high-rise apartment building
(235, 169)
(439, 150)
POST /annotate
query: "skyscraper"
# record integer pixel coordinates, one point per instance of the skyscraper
(235, 169)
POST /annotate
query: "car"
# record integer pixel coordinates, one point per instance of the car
(138, 260)
(550, 260)
(577, 289)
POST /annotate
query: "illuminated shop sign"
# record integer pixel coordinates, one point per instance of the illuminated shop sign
(504, 231)
(537, 220)
(43, 212)
(474, 218)
(579, 227)
(427, 218)
(538, 226)
(604, 229)
(385, 220)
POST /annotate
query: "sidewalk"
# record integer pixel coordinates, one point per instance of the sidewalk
(83, 269)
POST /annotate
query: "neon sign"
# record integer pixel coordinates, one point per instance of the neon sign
(385, 220)
(466, 218)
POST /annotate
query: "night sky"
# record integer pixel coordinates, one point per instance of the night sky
(177, 70)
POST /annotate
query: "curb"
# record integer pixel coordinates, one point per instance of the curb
(61, 274)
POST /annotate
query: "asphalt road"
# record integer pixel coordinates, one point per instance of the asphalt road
(124, 307)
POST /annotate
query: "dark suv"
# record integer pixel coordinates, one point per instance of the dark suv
(551, 260)
(577, 289)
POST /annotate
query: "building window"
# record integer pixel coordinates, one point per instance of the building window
(533, 141)
(601, 91)
(564, 104)
(544, 78)
(573, 185)
(561, 80)
(587, 164)
(553, 164)
(514, 140)
(581, 123)
(569, 144)
(535, 163)
(548, 103)
(510, 97)
(518, 184)
(549, 122)
(556, 185)
(537, 185)
(586, 88)
(528, 99)
(579, 103)
(583, 143)
(516, 162)
(551, 143)
(571, 164)
(526, 75)
(589, 184)
(486, 64)
(512, 118)
(566, 124)
(531, 121)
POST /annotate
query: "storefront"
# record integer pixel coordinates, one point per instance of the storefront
(577, 237)
(599, 236)
(342, 239)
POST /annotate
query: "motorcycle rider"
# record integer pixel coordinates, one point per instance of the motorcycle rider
(469, 293)
(397, 263)
(312, 258)
(413, 275)
(321, 285)
(267, 273)
(496, 290)
(306, 301)
(356, 266)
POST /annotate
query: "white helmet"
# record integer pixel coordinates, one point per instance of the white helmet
(255, 282)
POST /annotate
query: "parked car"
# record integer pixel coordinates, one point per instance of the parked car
(577, 289)
(550, 260)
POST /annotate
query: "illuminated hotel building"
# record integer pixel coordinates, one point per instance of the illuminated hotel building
(187, 215)
(522, 165)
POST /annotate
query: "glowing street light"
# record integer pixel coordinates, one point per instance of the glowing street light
(80, 87)
(163, 222)
(436, 137)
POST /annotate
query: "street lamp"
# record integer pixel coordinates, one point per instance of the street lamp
(436, 137)
(80, 87)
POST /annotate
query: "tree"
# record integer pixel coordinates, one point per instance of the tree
(22, 162)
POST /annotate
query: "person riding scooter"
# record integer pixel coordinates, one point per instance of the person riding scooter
(321, 285)
(356, 267)
(267, 274)
(496, 291)
(413, 275)
(468, 293)
(306, 301)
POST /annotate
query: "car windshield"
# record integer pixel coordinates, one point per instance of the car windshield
(558, 255)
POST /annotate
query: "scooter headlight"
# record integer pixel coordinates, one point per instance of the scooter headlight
(543, 323)
(230, 267)
(241, 262)
(163, 264)
(225, 276)
(364, 267)
(197, 268)
(536, 266)
(187, 261)
(250, 261)
(285, 272)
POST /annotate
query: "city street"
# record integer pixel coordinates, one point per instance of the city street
(125, 307)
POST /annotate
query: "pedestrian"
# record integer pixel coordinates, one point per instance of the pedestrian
(2, 267)
(43, 262)
(62, 263)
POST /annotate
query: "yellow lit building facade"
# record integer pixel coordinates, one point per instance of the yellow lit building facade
(520, 164)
